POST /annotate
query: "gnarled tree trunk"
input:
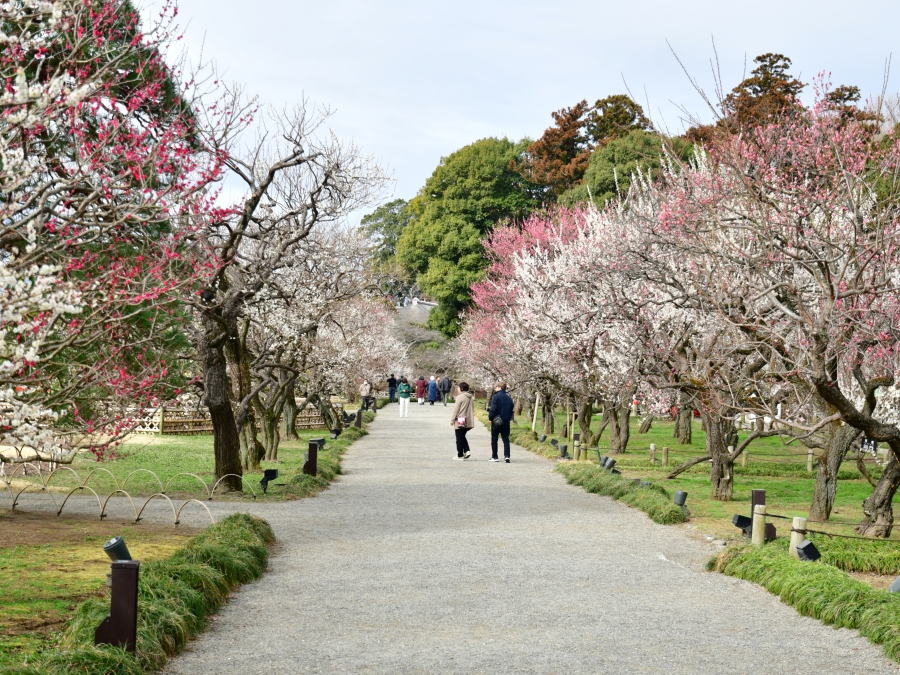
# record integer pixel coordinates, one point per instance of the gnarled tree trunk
(827, 472)
(721, 474)
(290, 415)
(620, 422)
(683, 423)
(548, 417)
(252, 451)
(226, 444)
(585, 413)
(879, 520)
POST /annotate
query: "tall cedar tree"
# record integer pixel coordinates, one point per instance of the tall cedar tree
(559, 158)
(557, 161)
(770, 92)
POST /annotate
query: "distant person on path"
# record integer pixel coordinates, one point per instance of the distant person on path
(433, 394)
(365, 393)
(445, 386)
(500, 414)
(421, 385)
(392, 387)
(463, 419)
(404, 391)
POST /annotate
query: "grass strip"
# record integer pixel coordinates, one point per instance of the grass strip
(817, 590)
(856, 555)
(176, 596)
(328, 463)
(654, 500)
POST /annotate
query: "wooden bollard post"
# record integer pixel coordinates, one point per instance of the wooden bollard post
(653, 453)
(576, 447)
(665, 461)
(809, 460)
(797, 538)
(759, 525)
(745, 459)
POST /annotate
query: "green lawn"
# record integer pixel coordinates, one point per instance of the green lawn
(778, 468)
(48, 565)
(166, 457)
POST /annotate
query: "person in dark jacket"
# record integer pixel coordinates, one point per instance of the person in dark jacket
(421, 386)
(500, 415)
(392, 387)
(445, 386)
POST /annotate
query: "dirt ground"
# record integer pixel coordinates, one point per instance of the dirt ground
(19, 528)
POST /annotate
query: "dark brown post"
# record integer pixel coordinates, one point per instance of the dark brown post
(310, 467)
(119, 628)
(757, 497)
(358, 422)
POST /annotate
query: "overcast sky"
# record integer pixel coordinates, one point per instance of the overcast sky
(411, 82)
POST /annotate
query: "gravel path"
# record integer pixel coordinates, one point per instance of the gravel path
(414, 563)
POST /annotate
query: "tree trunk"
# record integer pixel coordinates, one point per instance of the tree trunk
(683, 424)
(328, 412)
(271, 436)
(647, 424)
(827, 473)
(585, 413)
(252, 451)
(548, 416)
(226, 444)
(879, 520)
(620, 421)
(721, 475)
(290, 415)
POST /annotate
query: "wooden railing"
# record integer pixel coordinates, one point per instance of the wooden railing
(177, 421)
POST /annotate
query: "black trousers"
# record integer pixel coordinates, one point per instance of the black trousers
(462, 445)
(502, 431)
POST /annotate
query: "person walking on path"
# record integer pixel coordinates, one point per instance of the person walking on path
(392, 387)
(420, 389)
(500, 414)
(365, 392)
(404, 391)
(463, 419)
(433, 394)
(445, 386)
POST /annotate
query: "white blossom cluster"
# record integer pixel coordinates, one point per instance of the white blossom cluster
(31, 301)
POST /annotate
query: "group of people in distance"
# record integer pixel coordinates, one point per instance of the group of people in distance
(432, 390)
(500, 410)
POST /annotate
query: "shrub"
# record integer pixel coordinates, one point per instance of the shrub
(652, 499)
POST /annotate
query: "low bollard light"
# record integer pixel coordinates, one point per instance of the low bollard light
(268, 476)
(807, 551)
(116, 549)
(743, 523)
(680, 499)
(119, 628)
(543, 438)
